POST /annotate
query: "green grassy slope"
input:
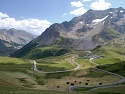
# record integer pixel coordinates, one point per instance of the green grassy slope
(109, 33)
(23, 51)
(111, 90)
(113, 60)
(39, 52)
(17, 77)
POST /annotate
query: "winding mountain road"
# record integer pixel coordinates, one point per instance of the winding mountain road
(73, 61)
(71, 88)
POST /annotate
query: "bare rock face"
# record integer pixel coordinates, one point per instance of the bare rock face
(49, 37)
(87, 31)
(84, 32)
(12, 40)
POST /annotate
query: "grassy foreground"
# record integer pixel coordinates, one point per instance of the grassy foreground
(17, 76)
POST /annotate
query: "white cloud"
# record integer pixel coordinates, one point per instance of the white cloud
(76, 4)
(86, 0)
(64, 14)
(79, 11)
(100, 5)
(2, 15)
(34, 26)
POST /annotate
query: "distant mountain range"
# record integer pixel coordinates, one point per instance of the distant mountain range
(11, 40)
(85, 32)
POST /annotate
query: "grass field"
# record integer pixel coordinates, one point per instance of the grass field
(17, 77)
(113, 60)
(56, 63)
(45, 51)
(111, 90)
(85, 64)
(8, 60)
(104, 61)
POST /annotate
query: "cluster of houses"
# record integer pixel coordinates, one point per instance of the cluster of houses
(90, 55)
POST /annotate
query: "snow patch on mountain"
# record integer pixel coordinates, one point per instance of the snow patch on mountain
(81, 22)
(121, 11)
(99, 20)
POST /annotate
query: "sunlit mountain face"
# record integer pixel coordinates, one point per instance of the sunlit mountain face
(11, 40)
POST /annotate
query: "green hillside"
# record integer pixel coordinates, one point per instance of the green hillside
(18, 76)
(31, 52)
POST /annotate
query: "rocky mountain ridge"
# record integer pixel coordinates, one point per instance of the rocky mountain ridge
(12, 40)
(86, 32)
(82, 32)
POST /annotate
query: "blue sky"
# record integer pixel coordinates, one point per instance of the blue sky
(36, 15)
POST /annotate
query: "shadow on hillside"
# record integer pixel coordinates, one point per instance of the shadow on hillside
(118, 68)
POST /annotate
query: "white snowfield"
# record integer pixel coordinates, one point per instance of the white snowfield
(121, 11)
(99, 20)
(81, 22)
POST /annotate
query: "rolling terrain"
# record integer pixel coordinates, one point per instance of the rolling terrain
(11, 40)
(85, 32)
(91, 46)
(19, 73)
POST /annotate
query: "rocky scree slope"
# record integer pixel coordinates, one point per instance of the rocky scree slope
(11, 40)
(85, 32)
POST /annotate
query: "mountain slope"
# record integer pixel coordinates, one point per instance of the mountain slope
(86, 31)
(12, 39)
(80, 30)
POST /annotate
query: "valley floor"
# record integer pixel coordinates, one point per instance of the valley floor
(50, 76)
